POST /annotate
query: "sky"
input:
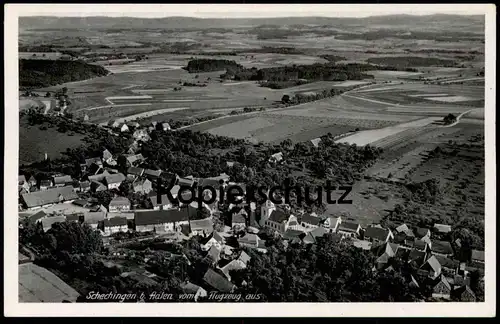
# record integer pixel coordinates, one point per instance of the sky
(244, 10)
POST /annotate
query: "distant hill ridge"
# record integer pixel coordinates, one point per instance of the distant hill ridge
(93, 22)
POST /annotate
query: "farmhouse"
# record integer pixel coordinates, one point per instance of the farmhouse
(310, 222)
(48, 197)
(442, 288)
(443, 248)
(115, 225)
(133, 172)
(218, 282)
(165, 126)
(349, 229)
(464, 294)
(47, 222)
(35, 218)
(378, 235)
(32, 181)
(107, 156)
(190, 288)
(202, 227)
(45, 184)
(94, 218)
(278, 221)
(119, 204)
(422, 232)
(233, 265)
(124, 128)
(238, 222)
(432, 267)
(164, 202)
(113, 124)
(213, 240)
(96, 186)
(114, 180)
(405, 230)
(161, 221)
(477, 256)
(152, 174)
(332, 223)
(141, 135)
(134, 159)
(250, 240)
(143, 186)
(276, 158)
(443, 229)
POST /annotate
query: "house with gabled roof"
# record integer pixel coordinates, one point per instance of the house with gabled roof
(279, 220)
(166, 126)
(315, 142)
(349, 229)
(441, 288)
(141, 135)
(233, 265)
(378, 234)
(218, 282)
(332, 223)
(133, 172)
(276, 157)
(405, 230)
(202, 227)
(152, 174)
(114, 181)
(249, 240)
(93, 219)
(61, 180)
(107, 156)
(442, 229)
(36, 217)
(124, 128)
(47, 222)
(96, 186)
(163, 204)
(214, 239)
(443, 248)
(477, 256)
(312, 236)
(119, 204)
(239, 220)
(310, 222)
(45, 184)
(192, 289)
(115, 225)
(40, 199)
(213, 254)
(432, 266)
(421, 232)
(162, 221)
(134, 159)
(464, 294)
(144, 186)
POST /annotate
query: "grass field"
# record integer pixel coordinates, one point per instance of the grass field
(34, 143)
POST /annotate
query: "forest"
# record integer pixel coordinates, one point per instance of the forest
(44, 73)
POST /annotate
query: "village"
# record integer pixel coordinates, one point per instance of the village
(45, 202)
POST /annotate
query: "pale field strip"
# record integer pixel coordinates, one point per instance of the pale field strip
(475, 114)
(369, 136)
(179, 100)
(121, 105)
(429, 94)
(324, 113)
(452, 99)
(130, 97)
(148, 114)
(402, 137)
(463, 80)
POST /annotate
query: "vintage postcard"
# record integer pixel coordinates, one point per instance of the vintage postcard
(257, 155)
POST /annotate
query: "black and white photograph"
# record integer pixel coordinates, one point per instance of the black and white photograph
(258, 155)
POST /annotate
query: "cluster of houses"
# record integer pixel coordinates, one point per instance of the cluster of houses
(58, 199)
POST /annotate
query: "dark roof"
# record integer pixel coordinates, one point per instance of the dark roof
(214, 253)
(45, 183)
(447, 263)
(279, 216)
(478, 255)
(33, 218)
(163, 200)
(209, 182)
(50, 196)
(348, 226)
(115, 221)
(152, 173)
(238, 218)
(420, 231)
(442, 247)
(135, 171)
(202, 224)
(291, 233)
(377, 233)
(74, 217)
(444, 281)
(218, 282)
(62, 179)
(163, 216)
(94, 217)
(96, 160)
(309, 219)
(119, 201)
